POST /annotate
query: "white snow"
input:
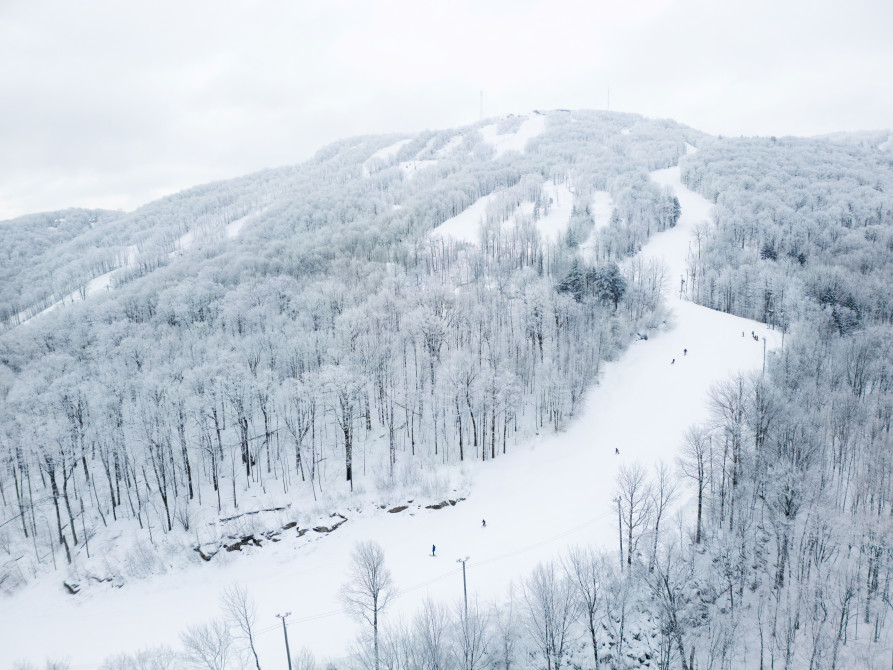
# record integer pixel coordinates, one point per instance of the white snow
(601, 207)
(886, 145)
(672, 246)
(554, 224)
(411, 167)
(625, 131)
(466, 225)
(537, 500)
(383, 156)
(454, 143)
(532, 126)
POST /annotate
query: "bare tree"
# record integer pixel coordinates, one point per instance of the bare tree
(505, 632)
(431, 627)
(370, 588)
(671, 577)
(304, 660)
(663, 493)
(239, 608)
(551, 611)
(155, 658)
(207, 646)
(585, 569)
(473, 636)
(619, 599)
(693, 464)
(636, 505)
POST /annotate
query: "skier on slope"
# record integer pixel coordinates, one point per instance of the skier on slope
(433, 549)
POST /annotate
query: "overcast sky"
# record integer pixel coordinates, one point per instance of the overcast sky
(113, 104)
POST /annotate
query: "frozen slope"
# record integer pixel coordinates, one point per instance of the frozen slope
(466, 226)
(531, 127)
(537, 500)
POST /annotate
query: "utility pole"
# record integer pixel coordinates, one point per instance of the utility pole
(764, 355)
(620, 531)
(285, 632)
(464, 584)
(465, 594)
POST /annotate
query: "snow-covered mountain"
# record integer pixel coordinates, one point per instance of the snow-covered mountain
(515, 322)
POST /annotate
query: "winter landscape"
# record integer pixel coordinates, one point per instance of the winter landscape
(555, 388)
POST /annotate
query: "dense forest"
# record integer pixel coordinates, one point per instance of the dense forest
(217, 365)
(334, 343)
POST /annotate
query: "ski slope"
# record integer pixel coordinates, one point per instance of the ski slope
(537, 500)
(381, 157)
(602, 207)
(532, 126)
(466, 226)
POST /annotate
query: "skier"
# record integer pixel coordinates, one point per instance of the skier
(433, 549)
(483, 523)
(616, 451)
(685, 352)
(673, 362)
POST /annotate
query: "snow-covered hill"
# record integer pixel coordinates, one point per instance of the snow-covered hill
(553, 492)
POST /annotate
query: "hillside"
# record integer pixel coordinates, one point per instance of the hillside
(465, 324)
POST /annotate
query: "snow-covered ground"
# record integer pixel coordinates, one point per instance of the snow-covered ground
(466, 226)
(454, 143)
(552, 225)
(383, 155)
(409, 168)
(532, 126)
(602, 207)
(537, 500)
(672, 246)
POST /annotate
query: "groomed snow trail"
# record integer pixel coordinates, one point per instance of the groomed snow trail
(466, 226)
(537, 500)
(533, 125)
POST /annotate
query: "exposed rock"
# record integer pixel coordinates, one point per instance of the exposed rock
(245, 541)
(205, 557)
(399, 508)
(329, 529)
(257, 511)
